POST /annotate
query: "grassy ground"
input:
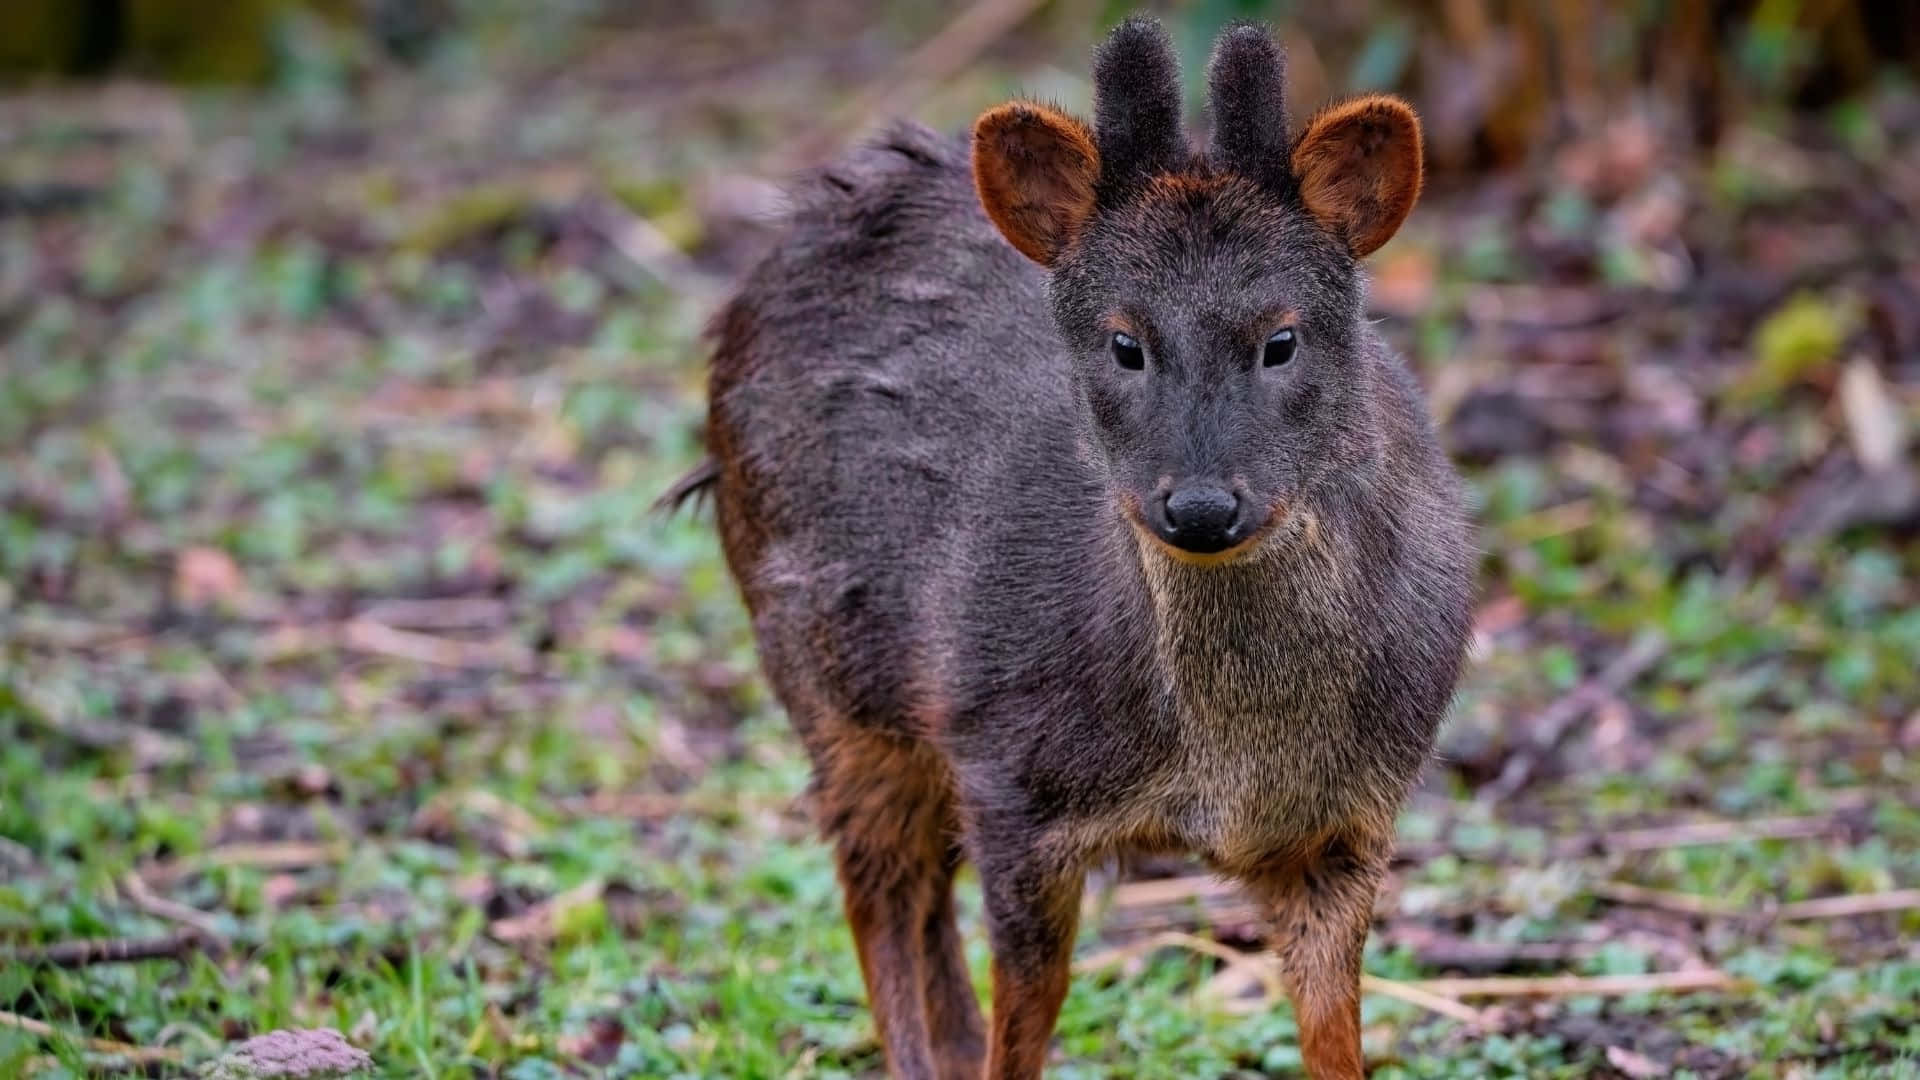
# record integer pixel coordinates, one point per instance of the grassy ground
(332, 610)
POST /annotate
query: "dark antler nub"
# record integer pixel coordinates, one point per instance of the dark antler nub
(1136, 91)
(1247, 85)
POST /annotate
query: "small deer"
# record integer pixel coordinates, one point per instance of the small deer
(1080, 512)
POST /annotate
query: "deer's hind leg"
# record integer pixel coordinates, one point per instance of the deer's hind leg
(886, 800)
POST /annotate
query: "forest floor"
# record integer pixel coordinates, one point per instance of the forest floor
(348, 680)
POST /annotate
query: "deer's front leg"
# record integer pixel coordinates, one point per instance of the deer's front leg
(1321, 906)
(1032, 902)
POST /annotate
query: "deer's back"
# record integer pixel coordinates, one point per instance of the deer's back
(864, 379)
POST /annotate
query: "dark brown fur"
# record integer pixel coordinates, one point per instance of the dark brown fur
(932, 483)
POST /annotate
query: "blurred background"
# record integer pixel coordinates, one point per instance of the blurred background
(347, 680)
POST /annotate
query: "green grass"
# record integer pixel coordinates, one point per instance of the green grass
(302, 371)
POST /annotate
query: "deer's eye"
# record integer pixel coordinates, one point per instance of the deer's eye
(1280, 347)
(1127, 352)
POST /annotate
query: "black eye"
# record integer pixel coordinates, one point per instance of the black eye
(1280, 347)
(1127, 353)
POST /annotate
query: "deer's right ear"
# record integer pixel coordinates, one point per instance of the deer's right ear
(1035, 168)
(1359, 169)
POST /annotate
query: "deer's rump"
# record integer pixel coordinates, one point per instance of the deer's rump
(867, 382)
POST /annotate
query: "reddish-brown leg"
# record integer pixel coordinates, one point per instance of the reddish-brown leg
(885, 801)
(1033, 911)
(953, 1011)
(1322, 907)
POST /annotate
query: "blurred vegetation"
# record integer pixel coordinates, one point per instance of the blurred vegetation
(345, 670)
(1498, 78)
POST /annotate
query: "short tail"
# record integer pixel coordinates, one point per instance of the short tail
(698, 482)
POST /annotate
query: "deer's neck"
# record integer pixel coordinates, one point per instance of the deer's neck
(1259, 637)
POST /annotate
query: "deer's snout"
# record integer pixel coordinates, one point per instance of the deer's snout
(1201, 517)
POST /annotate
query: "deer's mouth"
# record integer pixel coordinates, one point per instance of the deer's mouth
(1276, 519)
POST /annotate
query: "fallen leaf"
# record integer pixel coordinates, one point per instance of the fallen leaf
(205, 576)
(280, 890)
(1634, 1064)
(1874, 421)
(598, 1045)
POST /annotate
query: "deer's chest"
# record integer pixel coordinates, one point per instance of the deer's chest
(1270, 752)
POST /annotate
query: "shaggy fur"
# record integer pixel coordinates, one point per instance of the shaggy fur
(930, 474)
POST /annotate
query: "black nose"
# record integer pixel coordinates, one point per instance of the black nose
(1201, 518)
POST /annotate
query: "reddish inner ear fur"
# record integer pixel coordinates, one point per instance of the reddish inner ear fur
(1034, 168)
(1359, 169)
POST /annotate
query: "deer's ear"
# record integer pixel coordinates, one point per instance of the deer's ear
(1035, 168)
(1359, 169)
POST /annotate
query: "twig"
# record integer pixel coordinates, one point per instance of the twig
(91, 951)
(1265, 969)
(1236, 961)
(1840, 907)
(1825, 907)
(1581, 985)
(1141, 907)
(1551, 724)
(1416, 994)
(1214, 912)
(139, 1055)
(1553, 521)
(145, 899)
(1159, 891)
(365, 635)
(1703, 833)
(273, 856)
(656, 805)
(1622, 892)
(939, 59)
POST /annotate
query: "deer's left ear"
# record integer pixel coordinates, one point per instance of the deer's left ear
(1359, 169)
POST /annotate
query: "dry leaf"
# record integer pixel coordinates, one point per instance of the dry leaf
(1874, 421)
(1634, 1064)
(204, 576)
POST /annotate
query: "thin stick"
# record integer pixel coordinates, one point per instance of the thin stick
(1703, 833)
(1581, 985)
(1415, 994)
(1478, 1019)
(145, 899)
(91, 951)
(1246, 963)
(1622, 892)
(364, 635)
(655, 805)
(270, 856)
(140, 1055)
(1173, 890)
(1840, 907)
